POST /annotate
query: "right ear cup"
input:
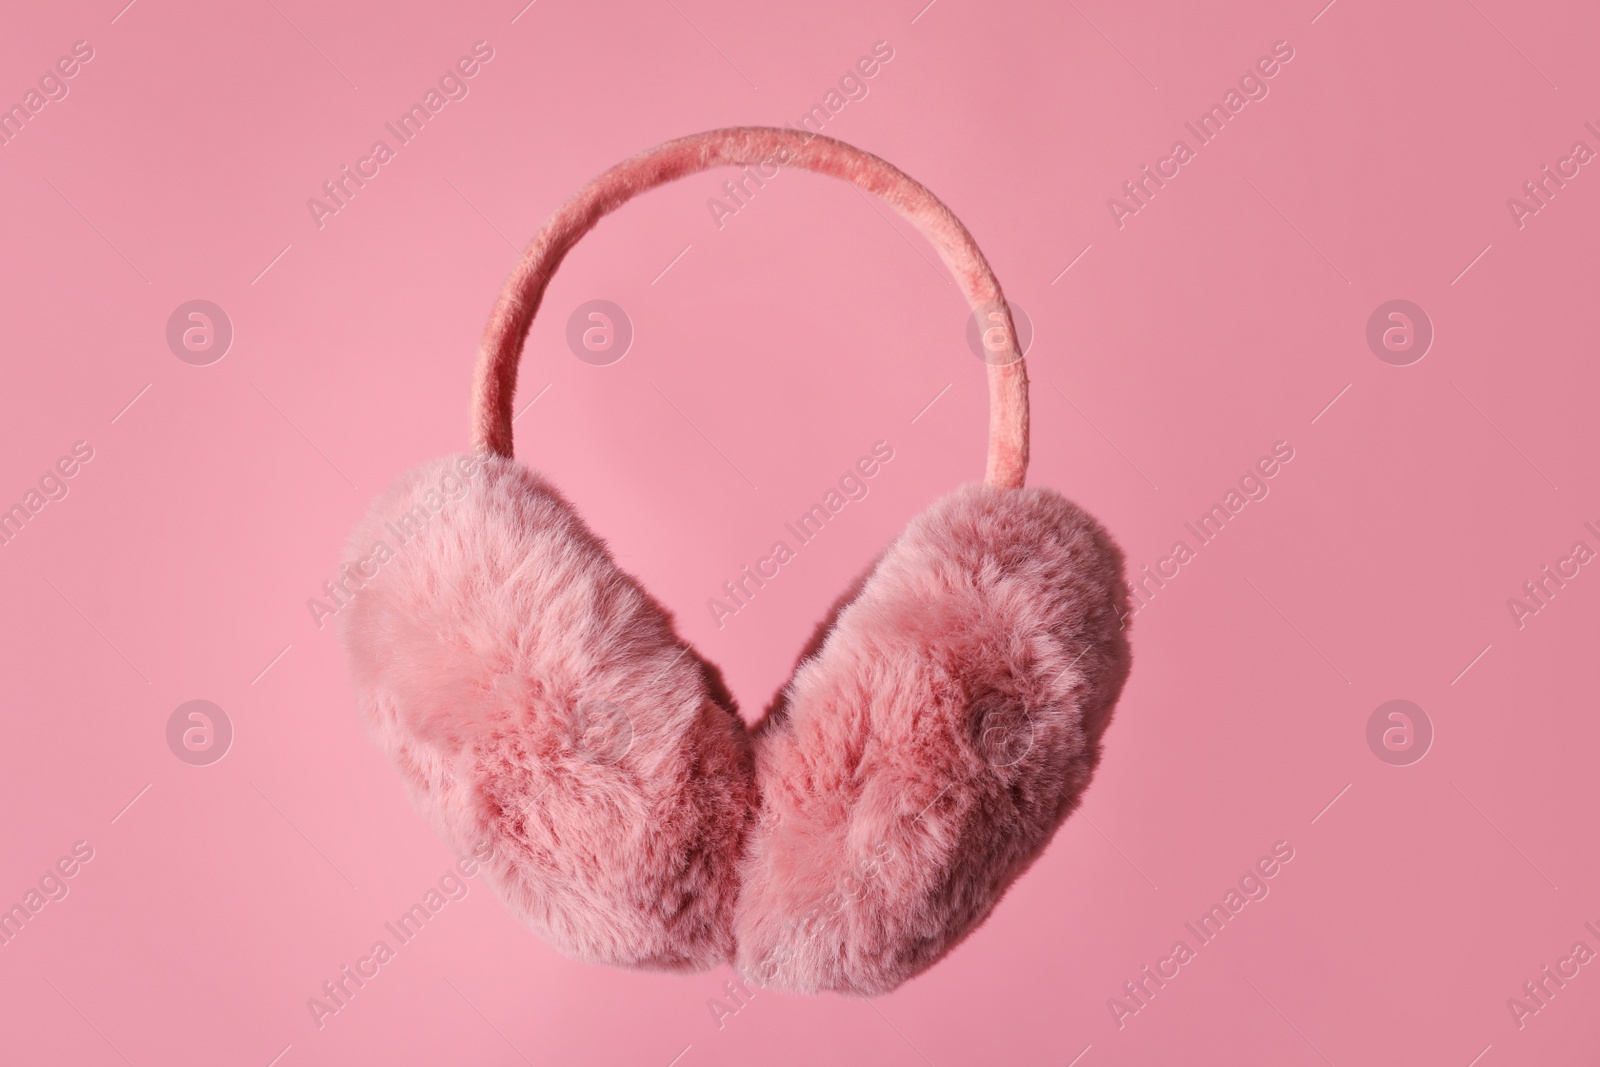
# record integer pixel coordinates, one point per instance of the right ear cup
(546, 717)
(924, 757)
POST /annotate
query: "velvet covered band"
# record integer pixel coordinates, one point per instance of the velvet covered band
(495, 377)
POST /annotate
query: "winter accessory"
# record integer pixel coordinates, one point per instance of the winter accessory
(544, 712)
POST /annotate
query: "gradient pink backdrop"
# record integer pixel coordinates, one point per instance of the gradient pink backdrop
(1222, 318)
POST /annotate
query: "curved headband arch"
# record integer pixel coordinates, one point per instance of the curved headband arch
(495, 376)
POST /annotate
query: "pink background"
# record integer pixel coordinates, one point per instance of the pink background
(1222, 318)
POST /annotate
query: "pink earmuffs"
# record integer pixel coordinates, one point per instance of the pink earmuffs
(545, 713)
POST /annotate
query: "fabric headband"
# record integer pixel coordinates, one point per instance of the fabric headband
(495, 377)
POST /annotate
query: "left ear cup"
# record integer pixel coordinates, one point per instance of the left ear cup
(923, 758)
(545, 715)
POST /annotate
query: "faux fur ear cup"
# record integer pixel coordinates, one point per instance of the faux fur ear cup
(924, 758)
(544, 713)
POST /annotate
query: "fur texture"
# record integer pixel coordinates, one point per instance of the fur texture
(539, 704)
(914, 766)
(923, 758)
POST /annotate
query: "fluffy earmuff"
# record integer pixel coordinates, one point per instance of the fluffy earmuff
(923, 757)
(545, 714)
